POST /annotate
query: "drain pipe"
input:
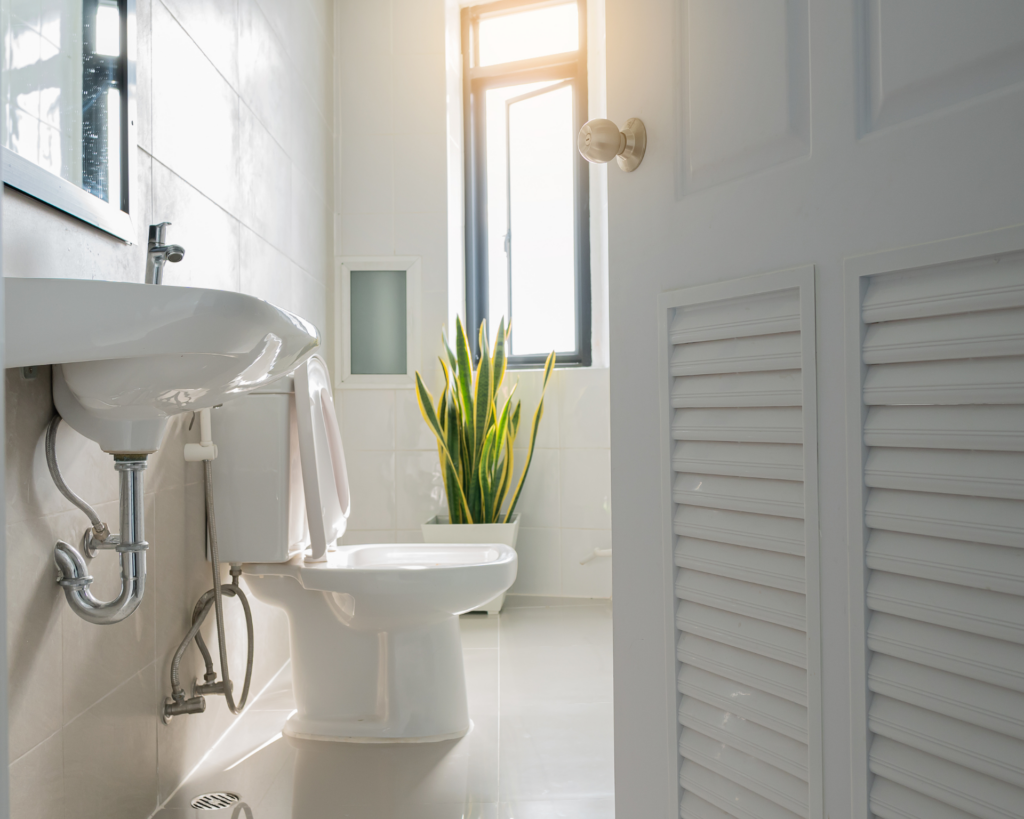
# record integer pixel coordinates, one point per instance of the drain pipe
(73, 576)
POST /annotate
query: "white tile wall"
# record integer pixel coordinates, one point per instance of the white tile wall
(236, 147)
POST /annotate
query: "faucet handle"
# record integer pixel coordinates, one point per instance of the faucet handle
(156, 233)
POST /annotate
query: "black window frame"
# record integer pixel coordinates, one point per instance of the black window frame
(476, 81)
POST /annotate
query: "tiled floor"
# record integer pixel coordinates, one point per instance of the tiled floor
(540, 697)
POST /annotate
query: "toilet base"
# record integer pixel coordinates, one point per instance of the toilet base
(369, 672)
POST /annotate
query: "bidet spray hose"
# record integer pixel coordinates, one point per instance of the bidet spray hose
(211, 523)
(178, 704)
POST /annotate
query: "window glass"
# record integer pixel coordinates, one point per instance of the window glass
(61, 90)
(542, 222)
(549, 30)
(497, 195)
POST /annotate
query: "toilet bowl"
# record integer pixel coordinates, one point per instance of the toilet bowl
(374, 631)
(375, 643)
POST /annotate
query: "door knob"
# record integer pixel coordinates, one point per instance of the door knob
(600, 140)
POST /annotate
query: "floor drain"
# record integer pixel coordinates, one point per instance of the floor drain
(214, 801)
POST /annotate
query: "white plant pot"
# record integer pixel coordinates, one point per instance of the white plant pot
(439, 530)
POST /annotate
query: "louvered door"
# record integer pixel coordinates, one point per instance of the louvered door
(943, 515)
(742, 475)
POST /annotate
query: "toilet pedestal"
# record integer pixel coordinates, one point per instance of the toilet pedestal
(369, 675)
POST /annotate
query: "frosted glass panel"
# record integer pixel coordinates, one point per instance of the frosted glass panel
(541, 153)
(378, 313)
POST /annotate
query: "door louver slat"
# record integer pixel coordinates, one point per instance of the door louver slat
(979, 565)
(944, 475)
(946, 337)
(739, 631)
(746, 771)
(774, 534)
(892, 801)
(750, 599)
(692, 806)
(944, 781)
(787, 718)
(947, 383)
(739, 453)
(746, 736)
(760, 672)
(766, 497)
(769, 425)
(930, 292)
(777, 352)
(981, 704)
(740, 563)
(989, 752)
(725, 793)
(992, 427)
(744, 460)
(951, 472)
(755, 389)
(985, 520)
(978, 658)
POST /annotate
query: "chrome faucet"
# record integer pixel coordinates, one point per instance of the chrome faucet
(160, 253)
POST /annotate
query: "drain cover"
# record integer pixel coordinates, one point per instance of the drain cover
(214, 801)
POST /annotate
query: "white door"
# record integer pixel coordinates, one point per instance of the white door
(843, 148)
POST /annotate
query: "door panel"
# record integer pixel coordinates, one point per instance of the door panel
(784, 133)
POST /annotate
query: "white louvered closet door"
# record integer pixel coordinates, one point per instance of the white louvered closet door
(943, 474)
(742, 484)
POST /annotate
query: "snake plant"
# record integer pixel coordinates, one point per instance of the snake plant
(474, 439)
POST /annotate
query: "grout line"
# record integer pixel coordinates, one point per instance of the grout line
(47, 738)
(109, 694)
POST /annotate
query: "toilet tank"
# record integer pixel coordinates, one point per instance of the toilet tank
(257, 477)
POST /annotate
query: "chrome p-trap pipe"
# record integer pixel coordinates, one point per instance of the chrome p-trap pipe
(131, 544)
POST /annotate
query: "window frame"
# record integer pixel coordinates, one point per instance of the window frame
(476, 81)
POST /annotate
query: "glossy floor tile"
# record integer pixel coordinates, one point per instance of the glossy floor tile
(539, 677)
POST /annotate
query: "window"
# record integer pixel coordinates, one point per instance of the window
(527, 192)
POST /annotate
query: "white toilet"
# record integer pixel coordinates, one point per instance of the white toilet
(375, 644)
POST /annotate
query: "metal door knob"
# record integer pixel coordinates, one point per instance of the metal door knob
(600, 140)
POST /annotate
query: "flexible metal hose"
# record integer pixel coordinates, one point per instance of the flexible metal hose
(211, 523)
(99, 527)
(178, 704)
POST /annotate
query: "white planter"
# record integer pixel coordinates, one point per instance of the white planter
(439, 530)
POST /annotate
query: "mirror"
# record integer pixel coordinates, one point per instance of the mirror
(68, 91)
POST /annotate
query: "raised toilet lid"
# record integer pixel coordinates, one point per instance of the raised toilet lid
(324, 476)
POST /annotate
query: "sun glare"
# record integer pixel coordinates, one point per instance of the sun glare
(548, 30)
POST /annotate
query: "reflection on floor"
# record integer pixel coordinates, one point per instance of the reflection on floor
(540, 696)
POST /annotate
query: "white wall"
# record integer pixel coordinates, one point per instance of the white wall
(399, 192)
(236, 149)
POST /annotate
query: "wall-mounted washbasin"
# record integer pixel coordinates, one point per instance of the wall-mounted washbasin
(132, 355)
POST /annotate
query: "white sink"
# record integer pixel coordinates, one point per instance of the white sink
(132, 355)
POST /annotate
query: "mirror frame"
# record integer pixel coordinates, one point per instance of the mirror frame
(27, 177)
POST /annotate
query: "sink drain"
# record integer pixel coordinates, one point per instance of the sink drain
(214, 801)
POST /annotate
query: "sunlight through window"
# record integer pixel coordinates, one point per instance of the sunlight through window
(535, 33)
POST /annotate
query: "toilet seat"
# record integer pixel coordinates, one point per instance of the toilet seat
(442, 578)
(324, 474)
